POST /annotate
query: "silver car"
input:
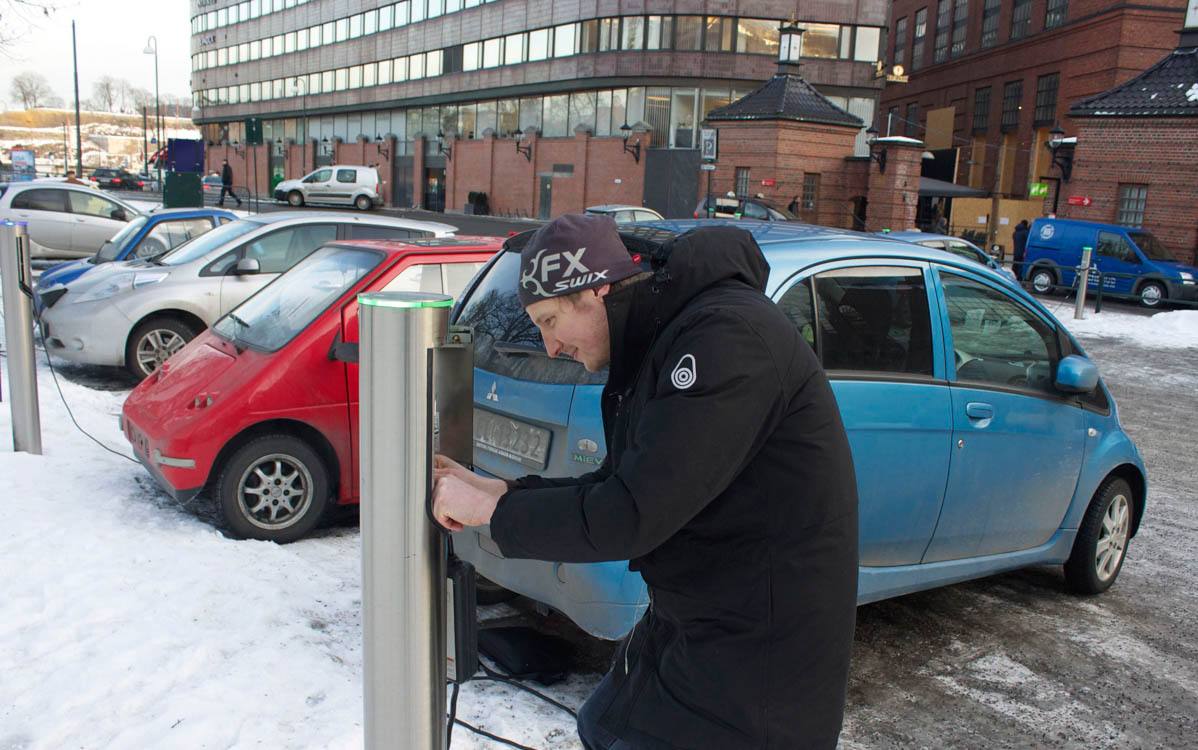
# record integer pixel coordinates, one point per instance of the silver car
(344, 184)
(137, 314)
(65, 221)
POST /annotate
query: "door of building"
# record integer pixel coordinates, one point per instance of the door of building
(434, 189)
(546, 203)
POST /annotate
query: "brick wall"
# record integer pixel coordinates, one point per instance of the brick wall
(1159, 153)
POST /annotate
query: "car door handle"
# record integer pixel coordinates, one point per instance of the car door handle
(978, 410)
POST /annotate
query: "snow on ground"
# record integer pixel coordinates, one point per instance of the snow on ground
(1175, 329)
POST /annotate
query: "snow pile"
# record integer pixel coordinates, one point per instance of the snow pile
(1176, 329)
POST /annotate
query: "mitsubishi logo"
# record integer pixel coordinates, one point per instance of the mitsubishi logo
(492, 395)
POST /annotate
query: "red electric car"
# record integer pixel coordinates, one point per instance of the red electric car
(257, 409)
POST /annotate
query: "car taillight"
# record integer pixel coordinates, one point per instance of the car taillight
(141, 183)
(696, 214)
(116, 180)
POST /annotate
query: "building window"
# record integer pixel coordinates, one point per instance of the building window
(1021, 19)
(920, 40)
(742, 182)
(821, 40)
(943, 16)
(719, 35)
(634, 33)
(900, 42)
(688, 32)
(757, 36)
(990, 12)
(660, 32)
(1132, 199)
(810, 190)
(981, 109)
(867, 44)
(1046, 98)
(1012, 103)
(1055, 13)
(911, 126)
(960, 27)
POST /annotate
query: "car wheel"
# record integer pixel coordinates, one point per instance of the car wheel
(295, 198)
(1152, 294)
(153, 343)
(1043, 280)
(1101, 543)
(274, 488)
(363, 203)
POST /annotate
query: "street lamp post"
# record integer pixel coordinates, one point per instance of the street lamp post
(152, 49)
(303, 118)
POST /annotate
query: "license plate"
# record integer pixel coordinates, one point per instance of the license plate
(516, 441)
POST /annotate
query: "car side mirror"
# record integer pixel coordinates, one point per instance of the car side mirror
(119, 214)
(343, 351)
(1076, 374)
(247, 267)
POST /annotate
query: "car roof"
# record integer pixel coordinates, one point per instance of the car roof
(618, 207)
(344, 217)
(188, 212)
(914, 235)
(460, 245)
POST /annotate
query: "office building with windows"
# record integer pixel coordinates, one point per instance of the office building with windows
(989, 79)
(316, 72)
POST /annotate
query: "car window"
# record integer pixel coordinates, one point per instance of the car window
(424, 277)
(1151, 246)
(374, 232)
(168, 235)
(935, 244)
(996, 340)
(505, 340)
(623, 217)
(347, 175)
(210, 242)
(93, 205)
(874, 319)
(322, 175)
(457, 277)
(755, 211)
(798, 305)
(1115, 246)
(965, 251)
(110, 249)
(41, 200)
(278, 251)
(647, 216)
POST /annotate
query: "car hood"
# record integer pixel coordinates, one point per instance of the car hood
(63, 273)
(288, 184)
(167, 399)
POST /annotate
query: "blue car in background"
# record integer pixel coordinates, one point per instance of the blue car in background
(144, 237)
(956, 246)
(1132, 261)
(983, 438)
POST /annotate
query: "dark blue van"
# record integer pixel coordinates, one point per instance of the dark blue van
(1138, 264)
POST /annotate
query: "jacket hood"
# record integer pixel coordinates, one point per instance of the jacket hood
(683, 267)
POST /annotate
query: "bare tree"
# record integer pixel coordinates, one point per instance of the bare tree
(30, 89)
(104, 93)
(20, 16)
(124, 96)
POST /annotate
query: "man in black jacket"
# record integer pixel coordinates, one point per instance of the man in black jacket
(226, 184)
(728, 484)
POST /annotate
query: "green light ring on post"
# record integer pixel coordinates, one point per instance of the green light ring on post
(405, 300)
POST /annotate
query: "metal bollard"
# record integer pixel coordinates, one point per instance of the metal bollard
(404, 557)
(1079, 311)
(16, 276)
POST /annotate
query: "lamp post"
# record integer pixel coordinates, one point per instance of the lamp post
(303, 117)
(1055, 144)
(152, 49)
(526, 150)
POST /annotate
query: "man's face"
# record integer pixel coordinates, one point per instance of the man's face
(576, 328)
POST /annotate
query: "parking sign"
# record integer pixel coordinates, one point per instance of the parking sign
(707, 143)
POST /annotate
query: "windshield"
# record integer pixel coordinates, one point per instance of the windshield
(112, 248)
(778, 213)
(277, 314)
(206, 243)
(1151, 246)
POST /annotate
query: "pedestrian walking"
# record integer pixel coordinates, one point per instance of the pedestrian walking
(728, 484)
(226, 184)
(1018, 246)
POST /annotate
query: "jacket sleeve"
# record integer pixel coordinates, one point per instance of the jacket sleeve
(537, 482)
(716, 398)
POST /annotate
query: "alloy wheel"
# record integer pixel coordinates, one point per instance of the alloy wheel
(275, 491)
(1112, 539)
(156, 347)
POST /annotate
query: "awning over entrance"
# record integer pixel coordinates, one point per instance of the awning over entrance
(932, 188)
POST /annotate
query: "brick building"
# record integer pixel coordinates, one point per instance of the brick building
(988, 79)
(1136, 157)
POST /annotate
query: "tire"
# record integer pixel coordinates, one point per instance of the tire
(1043, 280)
(363, 203)
(153, 342)
(258, 486)
(1153, 294)
(1101, 544)
(295, 198)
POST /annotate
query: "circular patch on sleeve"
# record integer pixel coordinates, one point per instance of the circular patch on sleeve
(684, 373)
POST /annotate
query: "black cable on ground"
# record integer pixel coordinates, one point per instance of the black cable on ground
(495, 676)
(493, 737)
(71, 414)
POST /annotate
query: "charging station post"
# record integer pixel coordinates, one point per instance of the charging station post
(16, 279)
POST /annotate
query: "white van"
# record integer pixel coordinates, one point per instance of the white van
(342, 184)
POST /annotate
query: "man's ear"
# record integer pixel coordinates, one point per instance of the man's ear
(601, 291)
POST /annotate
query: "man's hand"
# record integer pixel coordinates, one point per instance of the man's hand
(443, 466)
(458, 504)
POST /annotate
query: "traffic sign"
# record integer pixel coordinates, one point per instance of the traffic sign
(707, 167)
(1079, 200)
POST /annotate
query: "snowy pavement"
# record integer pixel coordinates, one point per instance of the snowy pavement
(129, 622)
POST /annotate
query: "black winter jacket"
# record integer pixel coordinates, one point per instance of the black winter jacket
(226, 175)
(729, 485)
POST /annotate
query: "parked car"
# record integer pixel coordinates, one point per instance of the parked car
(956, 246)
(147, 236)
(258, 397)
(1141, 266)
(136, 314)
(343, 184)
(623, 214)
(116, 179)
(211, 184)
(732, 207)
(65, 221)
(982, 436)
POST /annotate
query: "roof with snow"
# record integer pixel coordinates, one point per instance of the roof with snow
(1167, 89)
(786, 96)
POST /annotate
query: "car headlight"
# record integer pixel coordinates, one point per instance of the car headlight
(1186, 277)
(121, 283)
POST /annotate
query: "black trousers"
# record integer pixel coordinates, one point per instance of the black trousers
(229, 190)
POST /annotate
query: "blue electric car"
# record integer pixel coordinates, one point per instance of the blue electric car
(144, 237)
(983, 438)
